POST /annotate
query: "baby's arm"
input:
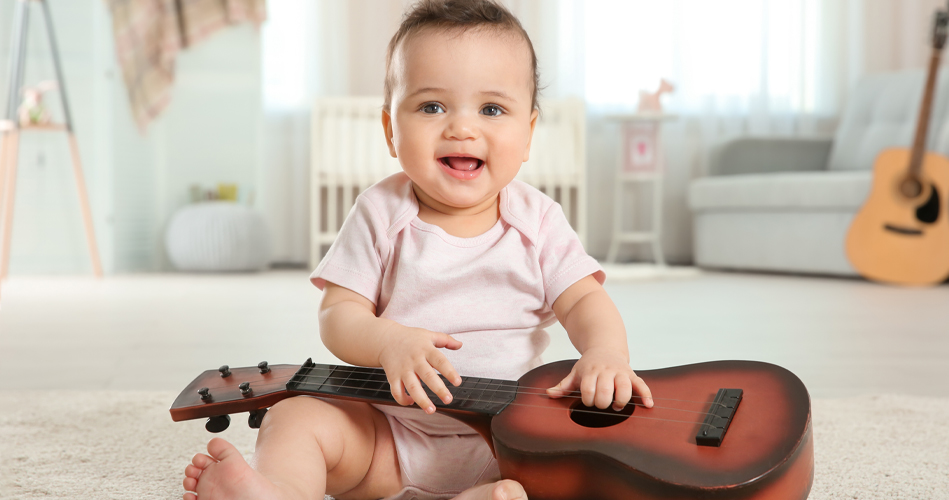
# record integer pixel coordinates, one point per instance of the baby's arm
(596, 329)
(350, 329)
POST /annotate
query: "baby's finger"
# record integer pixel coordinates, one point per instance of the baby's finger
(415, 389)
(567, 385)
(445, 340)
(624, 391)
(398, 392)
(640, 387)
(441, 363)
(588, 389)
(604, 391)
(434, 382)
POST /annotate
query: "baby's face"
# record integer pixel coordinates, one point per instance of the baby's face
(461, 96)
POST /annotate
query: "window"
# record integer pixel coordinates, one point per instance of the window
(733, 55)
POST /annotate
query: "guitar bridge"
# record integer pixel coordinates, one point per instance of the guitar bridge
(719, 417)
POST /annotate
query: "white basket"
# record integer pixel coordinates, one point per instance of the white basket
(217, 236)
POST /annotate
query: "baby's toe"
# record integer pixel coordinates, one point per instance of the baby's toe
(190, 484)
(192, 471)
(189, 496)
(508, 490)
(221, 449)
(202, 461)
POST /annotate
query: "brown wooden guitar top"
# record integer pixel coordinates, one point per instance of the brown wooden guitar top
(657, 451)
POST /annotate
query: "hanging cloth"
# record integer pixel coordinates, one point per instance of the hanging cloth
(150, 33)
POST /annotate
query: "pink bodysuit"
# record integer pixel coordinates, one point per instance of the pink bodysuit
(493, 292)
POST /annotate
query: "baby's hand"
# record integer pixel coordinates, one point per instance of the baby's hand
(597, 374)
(412, 354)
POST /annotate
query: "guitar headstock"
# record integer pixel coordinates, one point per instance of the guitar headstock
(233, 390)
(940, 22)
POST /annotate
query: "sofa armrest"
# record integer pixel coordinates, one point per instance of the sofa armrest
(757, 155)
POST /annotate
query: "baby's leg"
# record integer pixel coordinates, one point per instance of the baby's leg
(504, 489)
(306, 447)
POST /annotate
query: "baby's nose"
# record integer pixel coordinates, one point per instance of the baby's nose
(461, 127)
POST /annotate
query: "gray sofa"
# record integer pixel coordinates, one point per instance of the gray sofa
(780, 204)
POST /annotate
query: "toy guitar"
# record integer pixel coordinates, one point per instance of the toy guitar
(722, 429)
(901, 235)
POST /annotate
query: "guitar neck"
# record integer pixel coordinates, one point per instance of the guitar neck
(475, 396)
(922, 124)
(226, 391)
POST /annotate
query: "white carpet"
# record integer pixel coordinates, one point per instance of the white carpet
(121, 445)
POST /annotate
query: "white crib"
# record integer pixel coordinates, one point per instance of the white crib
(349, 154)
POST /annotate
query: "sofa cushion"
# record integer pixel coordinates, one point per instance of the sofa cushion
(882, 113)
(784, 190)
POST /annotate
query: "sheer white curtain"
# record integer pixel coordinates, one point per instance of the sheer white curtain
(304, 56)
(765, 67)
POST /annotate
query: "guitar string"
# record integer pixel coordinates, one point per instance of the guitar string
(502, 388)
(569, 395)
(373, 371)
(607, 415)
(497, 389)
(462, 399)
(454, 399)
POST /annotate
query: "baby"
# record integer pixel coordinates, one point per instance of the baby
(450, 267)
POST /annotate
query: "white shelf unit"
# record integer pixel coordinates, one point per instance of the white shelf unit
(625, 177)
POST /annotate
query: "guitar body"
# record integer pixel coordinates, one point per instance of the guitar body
(901, 235)
(767, 453)
(898, 240)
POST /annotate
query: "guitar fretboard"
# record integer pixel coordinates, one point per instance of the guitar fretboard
(476, 395)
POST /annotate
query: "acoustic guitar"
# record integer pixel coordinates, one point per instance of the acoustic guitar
(901, 235)
(722, 429)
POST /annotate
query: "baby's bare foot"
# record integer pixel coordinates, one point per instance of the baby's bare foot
(225, 475)
(505, 489)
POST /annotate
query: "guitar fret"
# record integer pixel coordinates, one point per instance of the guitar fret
(478, 395)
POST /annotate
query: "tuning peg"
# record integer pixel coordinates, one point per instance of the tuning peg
(205, 394)
(225, 371)
(245, 389)
(256, 417)
(263, 367)
(218, 423)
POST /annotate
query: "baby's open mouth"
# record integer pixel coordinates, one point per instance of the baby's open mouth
(466, 164)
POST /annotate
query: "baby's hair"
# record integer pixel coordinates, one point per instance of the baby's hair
(448, 15)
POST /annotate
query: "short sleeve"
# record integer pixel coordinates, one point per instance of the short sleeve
(563, 261)
(355, 260)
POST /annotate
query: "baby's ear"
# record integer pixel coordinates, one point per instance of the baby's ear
(527, 151)
(387, 129)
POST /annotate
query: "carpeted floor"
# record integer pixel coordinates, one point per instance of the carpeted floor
(123, 445)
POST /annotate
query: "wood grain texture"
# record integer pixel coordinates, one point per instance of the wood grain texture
(767, 452)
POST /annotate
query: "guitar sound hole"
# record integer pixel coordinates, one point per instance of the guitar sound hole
(591, 416)
(928, 213)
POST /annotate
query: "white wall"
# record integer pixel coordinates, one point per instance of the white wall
(209, 134)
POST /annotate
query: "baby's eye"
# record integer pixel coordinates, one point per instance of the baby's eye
(430, 106)
(492, 110)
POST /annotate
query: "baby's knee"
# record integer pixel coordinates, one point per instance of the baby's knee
(322, 416)
(299, 408)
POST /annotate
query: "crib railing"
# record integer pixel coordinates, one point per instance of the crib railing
(349, 154)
